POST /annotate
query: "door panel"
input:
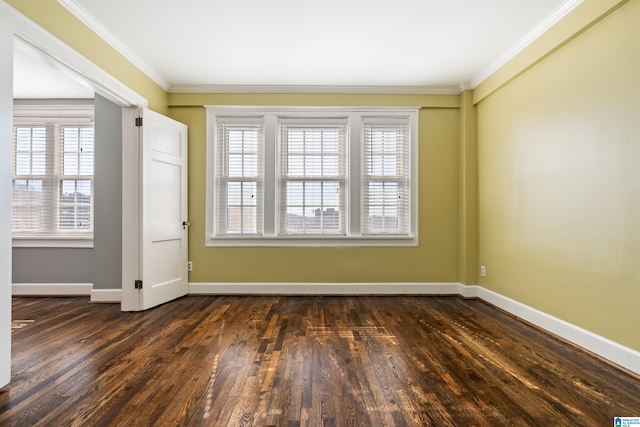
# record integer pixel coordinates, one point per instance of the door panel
(164, 209)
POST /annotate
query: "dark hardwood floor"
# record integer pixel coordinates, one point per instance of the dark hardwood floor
(301, 361)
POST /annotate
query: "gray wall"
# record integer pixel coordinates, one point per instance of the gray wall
(107, 235)
(101, 265)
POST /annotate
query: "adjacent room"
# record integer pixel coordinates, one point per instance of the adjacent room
(303, 214)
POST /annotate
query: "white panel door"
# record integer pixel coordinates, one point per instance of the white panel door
(163, 210)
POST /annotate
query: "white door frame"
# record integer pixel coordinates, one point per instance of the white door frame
(74, 64)
(6, 119)
(130, 210)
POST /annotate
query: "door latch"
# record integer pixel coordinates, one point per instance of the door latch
(185, 224)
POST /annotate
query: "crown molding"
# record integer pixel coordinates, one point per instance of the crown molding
(555, 16)
(319, 89)
(59, 54)
(464, 86)
(94, 25)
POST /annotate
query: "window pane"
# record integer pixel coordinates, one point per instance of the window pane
(27, 205)
(75, 205)
(331, 165)
(71, 140)
(23, 163)
(84, 190)
(296, 165)
(313, 207)
(241, 210)
(23, 139)
(30, 151)
(313, 193)
(234, 194)
(331, 194)
(70, 164)
(77, 149)
(249, 194)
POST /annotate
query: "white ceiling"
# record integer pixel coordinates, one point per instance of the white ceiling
(430, 44)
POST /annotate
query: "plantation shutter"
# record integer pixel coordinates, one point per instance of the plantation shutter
(385, 193)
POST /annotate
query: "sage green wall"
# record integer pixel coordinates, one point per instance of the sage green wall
(434, 260)
(559, 181)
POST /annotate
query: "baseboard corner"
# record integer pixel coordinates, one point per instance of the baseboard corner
(106, 296)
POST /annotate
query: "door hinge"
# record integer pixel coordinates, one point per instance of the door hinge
(138, 284)
(138, 121)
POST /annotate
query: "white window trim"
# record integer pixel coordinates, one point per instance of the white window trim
(271, 114)
(53, 242)
(73, 113)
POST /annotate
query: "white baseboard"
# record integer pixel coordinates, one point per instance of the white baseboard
(603, 347)
(623, 356)
(51, 289)
(106, 295)
(324, 288)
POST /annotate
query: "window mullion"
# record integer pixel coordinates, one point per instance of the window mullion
(270, 171)
(353, 176)
(52, 180)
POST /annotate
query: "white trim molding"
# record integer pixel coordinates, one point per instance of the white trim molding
(59, 54)
(51, 289)
(106, 296)
(200, 288)
(360, 90)
(618, 354)
(601, 346)
(90, 21)
(560, 12)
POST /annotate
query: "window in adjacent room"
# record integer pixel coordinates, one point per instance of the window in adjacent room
(311, 176)
(53, 161)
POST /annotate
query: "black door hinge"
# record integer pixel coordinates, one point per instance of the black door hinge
(138, 284)
(138, 121)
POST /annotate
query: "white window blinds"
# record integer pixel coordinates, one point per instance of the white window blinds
(53, 175)
(385, 200)
(76, 178)
(239, 178)
(33, 186)
(312, 177)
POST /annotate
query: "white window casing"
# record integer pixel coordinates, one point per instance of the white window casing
(312, 176)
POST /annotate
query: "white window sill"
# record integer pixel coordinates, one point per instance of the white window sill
(52, 242)
(306, 241)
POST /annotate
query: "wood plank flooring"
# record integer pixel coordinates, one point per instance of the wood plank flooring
(301, 361)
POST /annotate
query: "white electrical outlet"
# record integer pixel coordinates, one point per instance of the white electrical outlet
(483, 271)
(189, 266)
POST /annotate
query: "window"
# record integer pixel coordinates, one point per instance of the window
(385, 177)
(311, 176)
(239, 178)
(53, 173)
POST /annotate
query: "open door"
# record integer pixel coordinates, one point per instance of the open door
(155, 208)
